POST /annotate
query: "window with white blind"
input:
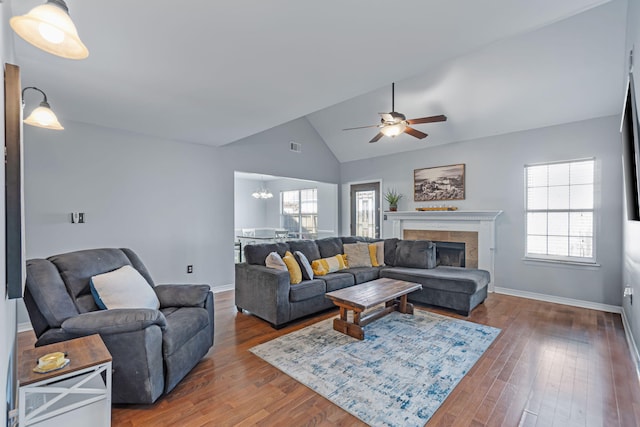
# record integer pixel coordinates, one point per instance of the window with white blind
(299, 212)
(560, 211)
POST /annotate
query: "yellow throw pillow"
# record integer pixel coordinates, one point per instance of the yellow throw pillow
(373, 249)
(324, 266)
(295, 274)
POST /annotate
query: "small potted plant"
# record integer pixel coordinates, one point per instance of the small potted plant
(392, 197)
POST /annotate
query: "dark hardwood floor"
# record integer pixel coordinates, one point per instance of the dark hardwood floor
(552, 365)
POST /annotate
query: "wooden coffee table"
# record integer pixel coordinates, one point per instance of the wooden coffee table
(366, 295)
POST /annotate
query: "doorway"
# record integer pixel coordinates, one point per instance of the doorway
(365, 209)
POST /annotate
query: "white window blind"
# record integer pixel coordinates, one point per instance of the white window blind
(560, 211)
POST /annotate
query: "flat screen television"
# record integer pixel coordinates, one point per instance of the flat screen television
(631, 152)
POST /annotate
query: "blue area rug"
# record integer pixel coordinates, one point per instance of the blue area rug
(398, 376)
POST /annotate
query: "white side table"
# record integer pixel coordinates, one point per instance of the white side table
(76, 395)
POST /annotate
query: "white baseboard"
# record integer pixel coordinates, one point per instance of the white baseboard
(633, 348)
(24, 327)
(223, 288)
(559, 300)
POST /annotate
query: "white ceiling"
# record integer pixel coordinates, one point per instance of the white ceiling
(212, 73)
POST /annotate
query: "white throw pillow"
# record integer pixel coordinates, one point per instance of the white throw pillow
(274, 260)
(123, 288)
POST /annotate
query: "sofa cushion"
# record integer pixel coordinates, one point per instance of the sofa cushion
(274, 260)
(332, 264)
(305, 265)
(123, 288)
(415, 254)
(376, 252)
(357, 255)
(390, 251)
(295, 274)
(307, 289)
(363, 274)
(257, 254)
(182, 324)
(339, 280)
(330, 246)
(308, 247)
(453, 279)
(352, 239)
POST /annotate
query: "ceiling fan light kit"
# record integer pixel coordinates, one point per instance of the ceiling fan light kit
(393, 124)
(50, 28)
(395, 129)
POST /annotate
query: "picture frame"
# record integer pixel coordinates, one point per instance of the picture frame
(441, 183)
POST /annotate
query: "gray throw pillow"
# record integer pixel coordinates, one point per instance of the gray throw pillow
(305, 266)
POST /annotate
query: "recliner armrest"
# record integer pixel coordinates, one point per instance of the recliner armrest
(114, 321)
(182, 295)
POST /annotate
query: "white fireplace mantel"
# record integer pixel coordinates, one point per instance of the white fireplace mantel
(482, 222)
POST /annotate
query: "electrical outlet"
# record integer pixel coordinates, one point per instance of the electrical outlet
(628, 292)
(189, 269)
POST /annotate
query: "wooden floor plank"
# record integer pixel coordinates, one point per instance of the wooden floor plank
(550, 365)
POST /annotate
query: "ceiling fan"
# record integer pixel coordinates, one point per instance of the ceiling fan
(393, 124)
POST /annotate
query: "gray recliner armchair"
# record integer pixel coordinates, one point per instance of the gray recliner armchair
(152, 350)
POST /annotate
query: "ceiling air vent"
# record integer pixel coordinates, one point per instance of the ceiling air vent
(295, 147)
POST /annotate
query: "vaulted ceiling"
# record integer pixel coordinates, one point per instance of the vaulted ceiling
(213, 73)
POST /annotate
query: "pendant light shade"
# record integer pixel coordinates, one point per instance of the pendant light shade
(262, 192)
(43, 116)
(50, 28)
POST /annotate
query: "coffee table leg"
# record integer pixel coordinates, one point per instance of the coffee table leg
(404, 306)
(348, 328)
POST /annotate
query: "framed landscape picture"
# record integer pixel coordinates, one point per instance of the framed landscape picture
(439, 183)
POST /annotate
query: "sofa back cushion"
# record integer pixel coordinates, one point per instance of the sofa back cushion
(257, 254)
(330, 246)
(390, 251)
(352, 239)
(415, 254)
(76, 269)
(308, 247)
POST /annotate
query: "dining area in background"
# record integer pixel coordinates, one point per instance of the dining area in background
(252, 236)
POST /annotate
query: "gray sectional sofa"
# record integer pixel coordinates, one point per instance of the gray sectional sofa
(267, 293)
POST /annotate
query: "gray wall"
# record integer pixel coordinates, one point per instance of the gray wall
(170, 201)
(631, 256)
(494, 174)
(249, 212)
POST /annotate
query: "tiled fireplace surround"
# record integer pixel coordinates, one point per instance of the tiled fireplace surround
(477, 229)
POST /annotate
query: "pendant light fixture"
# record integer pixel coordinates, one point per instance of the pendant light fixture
(262, 192)
(50, 28)
(42, 116)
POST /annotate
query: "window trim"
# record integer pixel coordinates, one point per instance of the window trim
(560, 259)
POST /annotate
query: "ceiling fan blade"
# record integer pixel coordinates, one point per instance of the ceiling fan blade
(431, 119)
(377, 137)
(413, 132)
(364, 127)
